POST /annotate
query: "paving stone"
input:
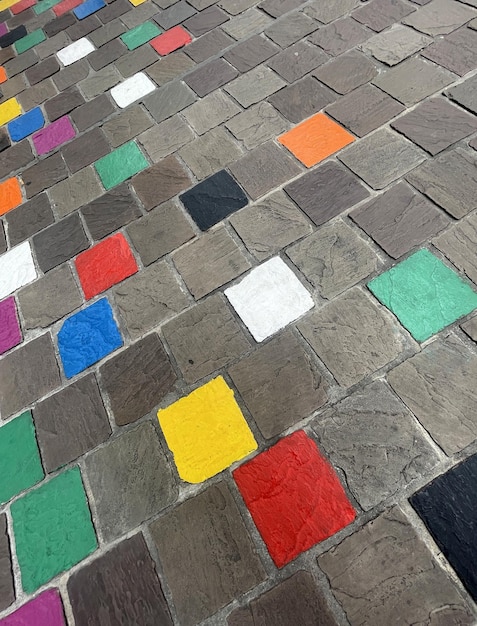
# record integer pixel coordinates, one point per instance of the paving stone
(106, 33)
(106, 54)
(3, 241)
(208, 45)
(470, 328)
(297, 60)
(71, 75)
(457, 52)
(54, 135)
(28, 219)
(203, 4)
(333, 259)
(42, 70)
(160, 182)
(14, 35)
(49, 299)
(163, 230)
(340, 36)
(208, 113)
(258, 124)
(113, 10)
(210, 153)
(85, 150)
(9, 110)
(249, 22)
(76, 51)
(92, 112)
(394, 45)
(29, 41)
(11, 334)
(127, 125)
(7, 592)
(248, 54)
(420, 587)
(139, 14)
(254, 86)
(398, 220)
(175, 14)
(99, 82)
(169, 100)
(326, 192)
(10, 194)
(210, 76)
(53, 45)
(38, 94)
(17, 268)
(110, 212)
(435, 125)
(21, 63)
(205, 338)
(205, 21)
(79, 189)
(169, 68)
(83, 27)
(448, 180)
(87, 8)
(302, 99)
(124, 580)
(330, 10)
(14, 86)
(379, 14)
(136, 61)
(347, 72)
(59, 24)
(165, 138)
(46, 608)
(184, 555)
(140, 35)
(382, 158)
(277, 8)
(63, 103)
(458, 244)
(465, 94)
(440, 17)
(26, 374)
(296, 598)
(120, 164)
(134, 88)
(59, 243)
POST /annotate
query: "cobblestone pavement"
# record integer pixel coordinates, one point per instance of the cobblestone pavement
(238, 269)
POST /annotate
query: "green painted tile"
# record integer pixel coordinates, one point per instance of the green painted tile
(44, 5)
(20, 465)
(27, 42)
(52, 528)
(121, 164)
(424, 294)
(141, 34)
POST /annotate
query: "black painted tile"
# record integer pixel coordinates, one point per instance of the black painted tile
(12, 36)
(60, 242)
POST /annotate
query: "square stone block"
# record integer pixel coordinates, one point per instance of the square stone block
(347, 72)
(440, 17)
(210, 153)
(396, 44)
(340, 36)
(110, 212)
(302, 99)
(459, 244)
(457, 52)
(120, 164)
(45, 610)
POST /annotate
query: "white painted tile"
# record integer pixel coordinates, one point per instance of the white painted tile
(75, 51)
(269, 298)
(132, 89)
(16, 269)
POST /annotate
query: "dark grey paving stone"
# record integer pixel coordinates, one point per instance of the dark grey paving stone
(380, 14)
(63, 103)
(277, 8)
(111, 211)
(27, 374)
(138, 15)
(465, 94)
(4, 140)
(85, 150)
(396, 44)
(250, 22)
(92, 112)
(43, 174)
(302, 99)
(136, 61)
(106, 54)
(14, 35)
(457, 51)
(419, 588)
(290, 29)
(210, 76)
(60, 242)
(21, 63)
(3, 240)
(17, 156)
(83, 27)
(327, 11)
(160, 182)
(174, 15)
(28, 219)
(168, 68)
(167, 137)
(100, 82)
(42, 70)
(347, 72)
(107, 32)
(70, 423)
(187, 551)
(113, 10)
(7, 591)
(121, 582)
(297, 60)
(340, 36)
(440, 17)
(59, 24)
(208, 45)
(326, 191)
(248, 54)
(459, 243)
(470, 328)
(170, 99)
(436, 124)
(205, 21)
(295, 600)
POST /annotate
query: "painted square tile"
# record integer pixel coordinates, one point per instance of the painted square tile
(45, 610)
(10, 332)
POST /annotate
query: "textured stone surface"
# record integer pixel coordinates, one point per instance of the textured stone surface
(347, 72)
(123, 580)
(440, 17)
(45, 610)
(127, 125)
(160, 182)
(210, 76)
(379, 14)
(257, 124)
(291, 28)
(170, 67)
(10, 332)
(7, 593)
(297, 60)
(210, 153)
(170, 99)
(205, 47)
(85, 150)
(79, 189)
(60, 242)
(165, 138)
(465, 94)
(211, 111)
(458, 244)
(340, 36)
(302, 99)
(110, 212)
(359, 573)
(184, 554)
(470, 328)
(63, 103)
(120, 164)
(250, 53)
(255, 85)
(43, 174)
(396, 44)
(242, 26)
(457, 52)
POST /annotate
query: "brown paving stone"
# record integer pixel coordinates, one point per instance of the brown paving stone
(459, 244)
(440, 17)
(167, 137)
(327, 11)
(28, 219)
(380, 14)
(257, 124)
(208, 45)
(52, 45)
(92, 112)
(127, 125)
(124, 582)
(100, 81)
(13, 86)
(170, 99)
(7, 592)
(42, 70)
(79, 189)
(111, 211)
(206, 20)
(63, 103)
(60, 242)
(21, 63)
(85, 150)
(248, 54)
(160, 182)
(170, 67)
(175, 14)
(340, 36)
(43, 174)
(290, 29)
(185, 554)
(457, 51)
(248, 23)
(297, 60)
(71, 75)
(209, 112)
(83, 27)
(210, 76)
(5, 139)
(465, 94)
(210, 152)
(302, 99)
(136, 61)
(38, 94)
(394, 45)
(59, 24)
(205, 338)
(27, 374)
(16, 157)
(347, 72)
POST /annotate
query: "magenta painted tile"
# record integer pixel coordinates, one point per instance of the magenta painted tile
(53, 135)
(3, 29)
(10, 333)
(45, 610)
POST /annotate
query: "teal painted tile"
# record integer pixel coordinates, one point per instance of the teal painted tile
(424, 294)
(27, 42)
(121, 164)
(52, 528)
(44, 5)
(20, 465)
(140, 35)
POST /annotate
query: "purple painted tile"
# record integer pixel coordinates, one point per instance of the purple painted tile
(54, 135)
(3, 29)
(45, 610)
(10, 333)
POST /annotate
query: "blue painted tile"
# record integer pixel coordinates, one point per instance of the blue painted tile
(88, 336)
(26, 124)
(88, 7)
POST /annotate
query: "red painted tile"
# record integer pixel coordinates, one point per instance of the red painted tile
(66, 5)
(22, 6)
(104, 265)
(294, 497)
(171, 40)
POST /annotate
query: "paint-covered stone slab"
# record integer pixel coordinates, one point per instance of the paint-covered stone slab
(88, 8)
(9, 110)
(132, 89)
(17, 268)
(10, 332)
(55, 134)
(29, 41)
(120, 164)
(26, 124)
(171, 40)
(45, 610)
(75, 51)
(140, 35)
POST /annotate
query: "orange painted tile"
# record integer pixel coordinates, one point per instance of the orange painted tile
(10, 195)
(3, 75)
(315, 139)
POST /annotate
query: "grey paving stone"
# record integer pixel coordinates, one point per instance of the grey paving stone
(136, 61)
(205, 338)
(395, 45)
(63, 103)
(59, 24)
(185, 554)
(139, 14)
(347, 72)
(92, 112)
(30, 98)
(210, 153)
(208, 45)
(85, 150)
(364, 110)
(17, 156)
(359, 570)
(248, 54)
(210, 111)
(79, 189)
(302, 99)
(28, 219)
(160, 182)
(43, 174)
(380, 14)
(249, 22)
(200, 5)
(326, 191)
(399, 219)
(71, 75)
(171, 99)
(264, 168)
(174, 15)
(210, 76)
(257, 124)
(127, 125)
(111, 211)
(108, 32)
(165, 138)
(297, 60)
(3, 240)
(27, 374)
(106, 54)
(70, 423)
(13, 86)
(83, 27)
(7, 590)
(277, 8)
(254, 86)
(340, 36)
(234, 7)
(440, 17)
(206, 20)
(470, 328)
(291, 28)
(459, 244)
(60, 242)
(4, 140)
(354, 336)
(382, 158)
(21, 63)
(163, 230)
(333, 259)
(100, 82)
(170, 67)
(360, 436)
(268, 226)
(465, 94)
(131, 480)
(53, 44)
(327, 11)
(113, 10)
(413, 80)
(49, 298)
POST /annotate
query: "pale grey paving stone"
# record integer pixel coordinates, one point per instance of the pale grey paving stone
(327, 11)
(440, 17)
(346, 72)
(127, 125)
(139, 14)
(34, 96)
(257, 124)
(234, 7)
(277, 8)
(382, 158)
(470, 327)
(385, 573)
(394, 45)
(254, 86)
(354, 336)
(208, 45)
(333, 259)
(149, 298)
(107, 32)
(210, 152)
(340, 36)
(174, 15)
(71, 75)
(246, 24)
(210, 76)
(75, 191)
(297, 60)
(210, 111)
(169, 68)
(200, 5)
(168, 100)
(52, 45)
(100, 81)
(300, 100)
(459, 244)
(437, 385)
(465, 94)
(362, 437)
(413, 80)
(457, 52)
(380, 14)
(216, 251)
(291, 28)
(136, 61)
(248, 54)
(166, 138)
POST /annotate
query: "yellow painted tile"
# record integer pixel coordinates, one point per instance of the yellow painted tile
(9, 110)
(206, 431)
(136, 2)
(6, 4)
